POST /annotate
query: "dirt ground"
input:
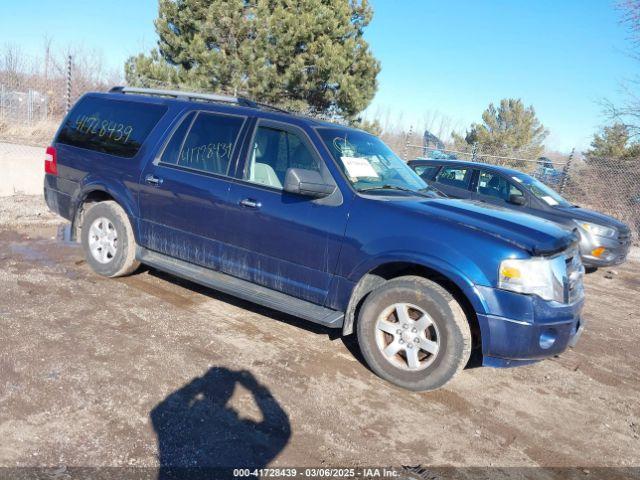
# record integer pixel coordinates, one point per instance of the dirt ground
(150, 370)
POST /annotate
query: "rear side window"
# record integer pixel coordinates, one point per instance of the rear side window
(208, 145)
(454, 176)
(171, 153)
(110, 126)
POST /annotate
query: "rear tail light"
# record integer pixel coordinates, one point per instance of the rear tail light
(51, 161)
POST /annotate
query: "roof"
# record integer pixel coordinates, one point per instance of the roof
(237, 104)
(466, 163)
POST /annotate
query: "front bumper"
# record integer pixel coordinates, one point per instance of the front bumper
(615, 253)
(521, 329)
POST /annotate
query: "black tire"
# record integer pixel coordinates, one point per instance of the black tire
(453, 333)
(124, 261)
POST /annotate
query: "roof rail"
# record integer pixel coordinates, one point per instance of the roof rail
(180, 95)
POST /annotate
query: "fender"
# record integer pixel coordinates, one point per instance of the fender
(363, 271)
(120, 194)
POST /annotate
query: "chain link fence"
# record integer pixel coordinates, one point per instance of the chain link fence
(607, 185)
(33, 101)
(610, 186)
(35, 94)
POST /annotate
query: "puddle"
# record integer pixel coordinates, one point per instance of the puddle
(39, 244)
(28, 252)
(64, 234)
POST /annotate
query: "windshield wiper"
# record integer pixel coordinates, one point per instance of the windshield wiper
(395, 187)
(437, 190)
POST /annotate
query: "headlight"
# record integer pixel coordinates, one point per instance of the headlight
(595, 229)
(536, 276)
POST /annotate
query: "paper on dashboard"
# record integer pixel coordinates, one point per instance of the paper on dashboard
(358, 167)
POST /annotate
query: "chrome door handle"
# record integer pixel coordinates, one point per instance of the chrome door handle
(153, 180)
(250, 203)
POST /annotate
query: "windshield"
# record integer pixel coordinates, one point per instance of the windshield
(541, 191)
(369, 164)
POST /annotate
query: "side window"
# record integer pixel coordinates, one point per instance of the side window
(426, 171)
(454, 176)
(273, 152)
(496, 186)
(513, 190)
(171, 153)
(107, 125)
(209, 144)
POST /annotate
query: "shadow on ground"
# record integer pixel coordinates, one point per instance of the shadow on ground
(198, 432)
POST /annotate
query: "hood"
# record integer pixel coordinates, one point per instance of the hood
(533, 234)
(579, 213)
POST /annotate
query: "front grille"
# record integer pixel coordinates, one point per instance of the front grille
(574, 289)
(624, 237)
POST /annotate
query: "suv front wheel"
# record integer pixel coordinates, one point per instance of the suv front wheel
(413, 333)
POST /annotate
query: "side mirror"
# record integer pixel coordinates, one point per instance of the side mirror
(517, 199)
(306, 182)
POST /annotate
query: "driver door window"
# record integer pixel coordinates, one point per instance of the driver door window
(273, 152)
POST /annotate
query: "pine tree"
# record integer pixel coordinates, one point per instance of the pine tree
(509, 127)
(309, 55)
(612, 142)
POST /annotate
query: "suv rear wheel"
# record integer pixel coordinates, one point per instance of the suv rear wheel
(413, 333)
(108, 241)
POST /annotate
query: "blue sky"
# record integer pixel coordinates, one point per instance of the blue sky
(439, 58)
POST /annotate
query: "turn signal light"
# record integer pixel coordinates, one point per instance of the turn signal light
(510, 272)
(597, 252)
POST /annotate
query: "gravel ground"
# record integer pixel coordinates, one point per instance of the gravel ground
(150, 370)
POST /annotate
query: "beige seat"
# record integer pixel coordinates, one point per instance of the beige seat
(264, 174)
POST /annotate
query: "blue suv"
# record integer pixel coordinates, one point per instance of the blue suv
(317, 220)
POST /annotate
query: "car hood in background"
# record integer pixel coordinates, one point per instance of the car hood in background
(584, 214)
(533, 234)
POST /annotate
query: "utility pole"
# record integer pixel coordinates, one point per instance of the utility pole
(68, 102)
(565, 171)
(405, 154)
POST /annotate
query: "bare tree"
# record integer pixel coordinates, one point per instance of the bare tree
(631, 18)
(628, 112)
(12, 63)
(439, 124)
